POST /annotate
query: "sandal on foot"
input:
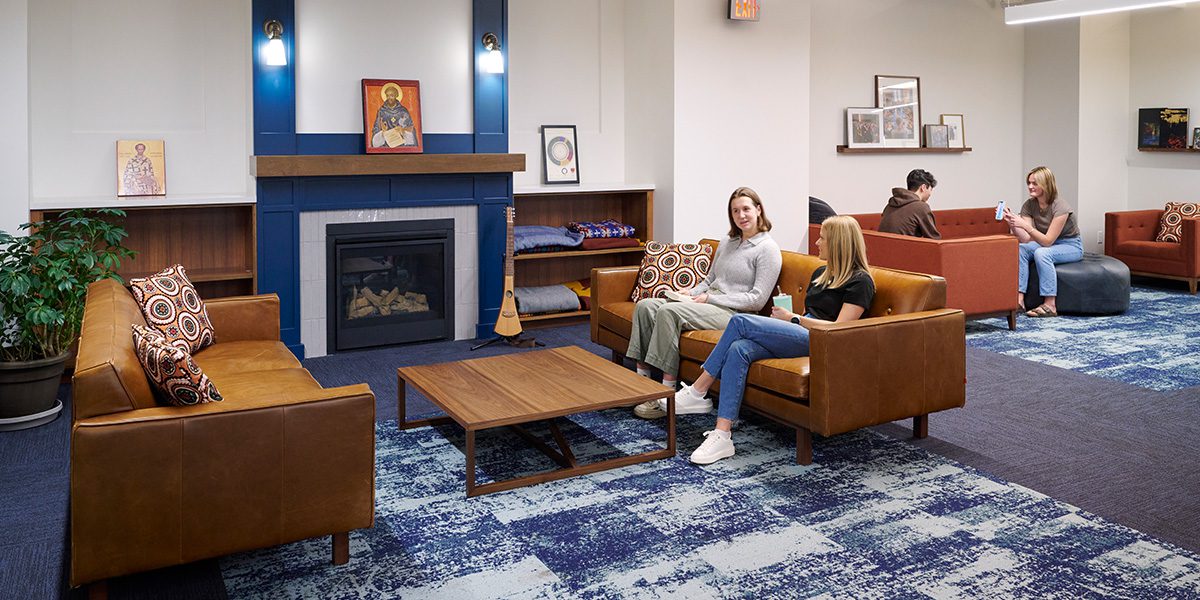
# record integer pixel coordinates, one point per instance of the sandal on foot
(1041, 312)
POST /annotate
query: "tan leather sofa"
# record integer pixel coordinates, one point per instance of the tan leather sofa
(905, 358)
(279, 460)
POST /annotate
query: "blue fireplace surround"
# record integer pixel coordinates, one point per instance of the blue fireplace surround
(281, 199)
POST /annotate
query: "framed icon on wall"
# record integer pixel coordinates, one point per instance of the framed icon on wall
(560, 154)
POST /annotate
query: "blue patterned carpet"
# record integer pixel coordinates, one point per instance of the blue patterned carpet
(1116, 347)
(872, 518)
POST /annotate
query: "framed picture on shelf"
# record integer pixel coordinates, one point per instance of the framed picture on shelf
(899, 97)
(560, 154)
(392, 115)
(864, 127)
(955, 123)
(937, 136)
(1162, 128)
(141, 168)
(1196, 138)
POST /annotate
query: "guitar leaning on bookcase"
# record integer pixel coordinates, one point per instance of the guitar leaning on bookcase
(508, 324)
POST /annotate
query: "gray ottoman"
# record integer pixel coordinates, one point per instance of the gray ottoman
(1096, 285)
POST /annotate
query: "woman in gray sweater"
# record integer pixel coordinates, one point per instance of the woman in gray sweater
(743, 273)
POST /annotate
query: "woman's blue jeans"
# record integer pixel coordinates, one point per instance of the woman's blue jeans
(1064, 250)
(746, 339)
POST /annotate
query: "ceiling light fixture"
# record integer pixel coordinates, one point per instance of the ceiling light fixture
(1065, 9)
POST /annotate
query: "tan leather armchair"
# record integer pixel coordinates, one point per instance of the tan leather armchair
(280, 459)
(905, 358)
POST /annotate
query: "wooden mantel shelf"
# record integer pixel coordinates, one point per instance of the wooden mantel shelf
(384, 164)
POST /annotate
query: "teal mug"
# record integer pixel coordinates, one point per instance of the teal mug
(783, 301)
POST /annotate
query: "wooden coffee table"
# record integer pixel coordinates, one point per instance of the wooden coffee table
(525, 387)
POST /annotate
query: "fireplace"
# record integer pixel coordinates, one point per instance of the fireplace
(389, 283)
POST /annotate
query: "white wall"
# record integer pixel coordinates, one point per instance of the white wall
(741, 116)
(127, 69)
(338, 44)
(1164, 69)
(1051, 126)
(567, 67)
(1104, 123)
(14, 105)
(650, 105)
(969, 62)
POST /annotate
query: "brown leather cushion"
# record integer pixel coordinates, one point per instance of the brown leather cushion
(787, 376)
(259, 387)
(897, 292)
(1162, 250)
(618, 317)
(225, 358)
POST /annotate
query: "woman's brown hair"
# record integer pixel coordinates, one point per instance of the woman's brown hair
(764, 224)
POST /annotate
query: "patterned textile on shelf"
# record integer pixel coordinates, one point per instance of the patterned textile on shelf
(176, 378)
(1170, 225)
(675, 267)
(171, 305)
(608, 228)
(583, 289)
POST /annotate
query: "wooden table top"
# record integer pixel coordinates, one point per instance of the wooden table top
(529, 386)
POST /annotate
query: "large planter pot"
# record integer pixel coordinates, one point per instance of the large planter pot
(29, 392)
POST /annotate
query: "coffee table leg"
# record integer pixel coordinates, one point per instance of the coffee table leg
(470, 463)
(402, 411)
(561, 440)
(671, 425)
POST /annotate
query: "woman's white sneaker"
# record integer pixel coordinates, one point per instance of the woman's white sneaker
(690, 402)
(717, 445)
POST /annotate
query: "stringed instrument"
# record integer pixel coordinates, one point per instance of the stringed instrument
(508, 323)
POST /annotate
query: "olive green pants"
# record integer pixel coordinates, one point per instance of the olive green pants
(658, 323)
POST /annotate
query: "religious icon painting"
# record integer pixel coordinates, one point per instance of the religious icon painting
(141, 168)
(392, 115)
(560, 154)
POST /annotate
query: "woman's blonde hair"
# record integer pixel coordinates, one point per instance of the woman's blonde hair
(845, 250)
(1045, 178)
(764, 224)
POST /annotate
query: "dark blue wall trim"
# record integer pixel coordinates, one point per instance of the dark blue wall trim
(281, 200)
(353, 143)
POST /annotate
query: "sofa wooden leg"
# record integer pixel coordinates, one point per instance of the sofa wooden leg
(921, 427)
(341, 548)
(617, 358)
(1192, 285)
(98, 590)
(803, 446)
(1012, 320)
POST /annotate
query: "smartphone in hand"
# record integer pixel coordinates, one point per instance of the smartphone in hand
(999, 210)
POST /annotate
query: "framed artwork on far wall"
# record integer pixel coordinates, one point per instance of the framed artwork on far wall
(1196, 138)
(937, 136)
(900, 98)
(955, 123)
(560, 154)
(392, 115)
(864, 127)
(141, 168)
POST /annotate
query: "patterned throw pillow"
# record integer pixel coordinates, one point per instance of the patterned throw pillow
(173, 307)
(1170, 225)
(675, 267)
(172, 372)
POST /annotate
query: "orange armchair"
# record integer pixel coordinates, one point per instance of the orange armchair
(1129, 238)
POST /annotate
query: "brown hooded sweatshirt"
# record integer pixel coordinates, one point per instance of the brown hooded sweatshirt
(906, 214)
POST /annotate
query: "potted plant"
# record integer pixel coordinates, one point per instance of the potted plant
(43, 284)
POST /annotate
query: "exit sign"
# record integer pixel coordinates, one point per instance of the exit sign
(743, 10)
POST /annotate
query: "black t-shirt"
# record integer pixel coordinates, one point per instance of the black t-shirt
(826, 303)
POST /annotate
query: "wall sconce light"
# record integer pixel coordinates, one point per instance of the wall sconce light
(274, 54)
(493, 61)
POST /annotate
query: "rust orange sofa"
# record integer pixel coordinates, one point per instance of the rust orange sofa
(905, 359)
(280, 459)
(1129, 238)
(976, 255)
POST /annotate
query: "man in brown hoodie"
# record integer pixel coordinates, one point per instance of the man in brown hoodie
(907, 212)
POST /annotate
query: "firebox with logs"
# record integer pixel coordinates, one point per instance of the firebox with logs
(366, 302)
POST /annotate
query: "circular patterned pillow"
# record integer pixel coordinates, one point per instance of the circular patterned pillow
(1170, 225)
(173, 374)
(171, 305)
(675, 267)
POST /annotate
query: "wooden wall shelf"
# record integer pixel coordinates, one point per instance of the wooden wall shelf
(849, 150)
(569, 253)
(1168, 149)
(384, 164)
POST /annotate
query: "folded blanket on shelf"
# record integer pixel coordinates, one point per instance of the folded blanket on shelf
(545, 298)
(607, 228)
(605, 243)
(533, 236)
(583, 289)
